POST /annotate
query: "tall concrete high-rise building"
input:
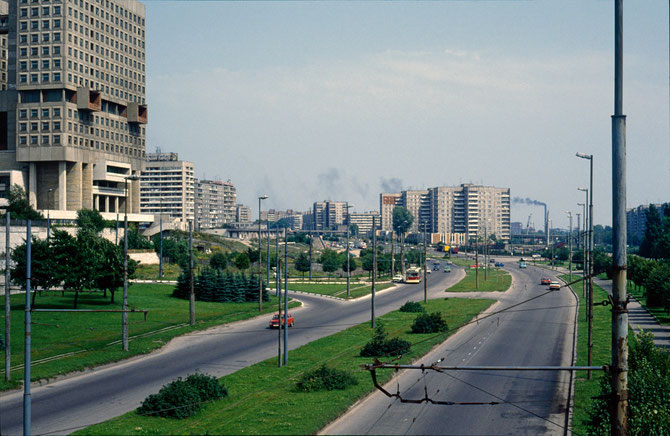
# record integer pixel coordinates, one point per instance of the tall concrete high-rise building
(242, 214)
(168, 187)
(458, 212)
(215, 202)
(73, 116)
(328, 214)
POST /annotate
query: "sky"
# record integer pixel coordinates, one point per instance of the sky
(341, 100)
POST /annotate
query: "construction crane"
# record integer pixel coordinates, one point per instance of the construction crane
(528, 224)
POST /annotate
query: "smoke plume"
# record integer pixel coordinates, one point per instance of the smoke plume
(391, 185)
(529, 201)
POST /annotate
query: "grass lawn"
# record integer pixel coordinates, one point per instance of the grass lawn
(263, 398)
(336, 289)
(497, 280)
(661, 315)
(150, 272)
(602, 334)
(95, 337)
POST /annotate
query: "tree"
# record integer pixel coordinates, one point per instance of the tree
(302, 263)
(41, 268)
(218, 261)
(329, 260)
(20, 207)
(658, 285)
(402, 221)
(252, 254)
(110, 272)
(242, 261)
(652, 234)
(91, 219)
(353, 229)
(352, 264)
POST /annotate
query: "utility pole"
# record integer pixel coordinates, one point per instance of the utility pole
(619, 297)
(570, 244)
(285, 297)
(392, 254)
(278, 289)
(26, 363)
(486, 253)
(8, 303)
(374, 272)
(425, 260)
(310, 250)
(260, 280)
(124, 315)
(191, 301)
(477, 262)
(267, 283)
(348, 261)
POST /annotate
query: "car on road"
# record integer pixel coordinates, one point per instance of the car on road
(436, 267)
(492, 261)
(450, 262)
(275, 321)
(554, 286)
(476, 265)
(545, 281)
(447, 269)
(499, 264)
(397, 278)
(522, 264)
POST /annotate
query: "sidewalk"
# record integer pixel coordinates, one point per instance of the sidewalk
(638, 317)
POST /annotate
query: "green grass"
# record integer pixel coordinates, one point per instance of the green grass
(93, 336)
(337, 289)
(263, 399)
(602, 334)
(150, 272)
(498, 280)
(640, 295)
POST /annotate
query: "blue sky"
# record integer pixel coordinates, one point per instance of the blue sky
(307, 101)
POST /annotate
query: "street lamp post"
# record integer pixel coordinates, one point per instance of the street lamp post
(589, 157)
(348, 262)
(49, 199)
(570, 243)
(260, 281)
(583, 236)
(124, 314)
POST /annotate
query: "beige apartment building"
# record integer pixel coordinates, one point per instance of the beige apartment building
(73, 116)
(216, 203)
(455, 212)
(168, 188)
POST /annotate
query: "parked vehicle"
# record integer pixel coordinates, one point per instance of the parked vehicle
(274, 322)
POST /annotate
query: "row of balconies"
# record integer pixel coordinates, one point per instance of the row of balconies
(91, 100)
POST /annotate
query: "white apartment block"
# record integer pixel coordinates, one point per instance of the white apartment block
(363, 221)
(455, 212)
(328, 214)
(167, 187)
(73, 117)
(216, 203)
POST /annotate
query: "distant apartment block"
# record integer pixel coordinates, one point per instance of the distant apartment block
(461, 210)
(328, 214)
(72, 102)
(242, 214)
(363, 220)
(294, 218)
(167, 186)
(636, 222)
(516, 227)
(216, 203)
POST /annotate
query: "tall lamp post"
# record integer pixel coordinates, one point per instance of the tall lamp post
(589, 157)
(586, 247)
(584, 214)
(348, 262)
(570, 243)
(260, 280)
(124, 314)
(49, 198)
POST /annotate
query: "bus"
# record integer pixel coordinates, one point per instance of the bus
(413, 276)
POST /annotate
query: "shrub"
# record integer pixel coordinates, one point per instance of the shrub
(325, 379)
(429, 323)
(380, 345)
(183, 398)
(412, 307)
(648, 399)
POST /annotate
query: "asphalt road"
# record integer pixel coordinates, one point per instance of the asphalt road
(70, 404)
(539, 332)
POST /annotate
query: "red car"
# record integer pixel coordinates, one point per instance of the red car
(274, 322)
(545, 281)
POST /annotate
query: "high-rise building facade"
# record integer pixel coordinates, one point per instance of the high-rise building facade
(216, 203)
(328, 214)
(460, 210)
(636, 222)
(167, 187)
(242, 214)
(72, 120)
(363, 220)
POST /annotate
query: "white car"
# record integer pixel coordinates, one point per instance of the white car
(397, 278)
(554, 286)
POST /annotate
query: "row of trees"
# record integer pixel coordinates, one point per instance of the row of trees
(652, 276)
(656, 241)
(85, 261)
(211, 284)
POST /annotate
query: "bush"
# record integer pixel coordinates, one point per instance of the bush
(429, 323)
(412, 307)
(325, 379)
(648, 388)
(380, 345)
(183, 398)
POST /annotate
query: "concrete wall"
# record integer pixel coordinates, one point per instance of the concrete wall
(146, 258)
